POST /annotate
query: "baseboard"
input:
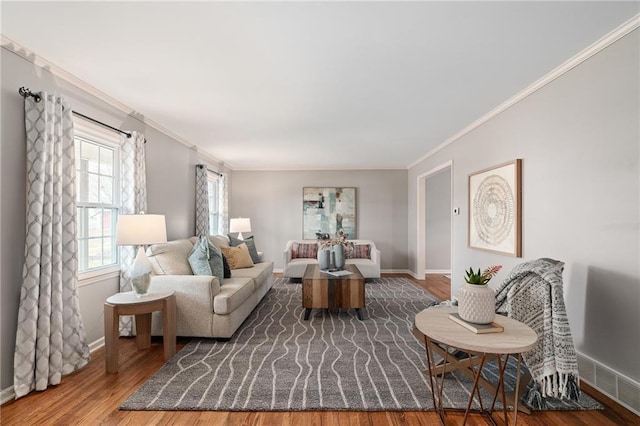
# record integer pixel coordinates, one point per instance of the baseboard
(396, 271)
(437, 271)
(622, 389)
(7, 395)
(415, 275)
(383, 271)
(98, 344)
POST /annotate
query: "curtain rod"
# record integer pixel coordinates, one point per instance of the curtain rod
(208, 169)
(24, 92)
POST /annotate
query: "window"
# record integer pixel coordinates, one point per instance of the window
(98, 188)
(212, 183)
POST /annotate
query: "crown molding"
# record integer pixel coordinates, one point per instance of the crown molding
(567, 66)
(49, 66)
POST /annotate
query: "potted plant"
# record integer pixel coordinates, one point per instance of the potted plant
(481, 278)
(476, 300)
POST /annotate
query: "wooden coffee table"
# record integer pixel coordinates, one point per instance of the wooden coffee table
(321, 290)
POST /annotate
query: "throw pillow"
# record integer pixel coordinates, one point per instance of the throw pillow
(251, 245)
(361, 251)
(233, 241)
(225, 265)
(215, 261)
(238, 257)
(199, 258)
(304, 250)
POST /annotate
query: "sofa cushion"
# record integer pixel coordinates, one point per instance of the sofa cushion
(259, 273)
(170, 258)
(251, 245)
(296, 268)
(219, 241)
(366, 267)
(238, 257)
(233, 292)
(304, 250)
(199, 258)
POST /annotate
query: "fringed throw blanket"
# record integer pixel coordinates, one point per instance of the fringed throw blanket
(532, 294)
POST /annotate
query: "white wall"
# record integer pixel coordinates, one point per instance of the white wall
(579, 140)
(170, 191)
(273, 201)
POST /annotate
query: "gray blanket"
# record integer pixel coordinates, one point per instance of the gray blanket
(533, 294)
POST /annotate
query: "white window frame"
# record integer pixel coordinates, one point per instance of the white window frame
(98, 135)
(213, 178)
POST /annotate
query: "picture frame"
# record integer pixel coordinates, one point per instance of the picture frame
(495, 209)
(327, 210)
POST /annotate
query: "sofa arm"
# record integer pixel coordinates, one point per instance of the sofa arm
(287, 253)
(375, 256)
(191, 290)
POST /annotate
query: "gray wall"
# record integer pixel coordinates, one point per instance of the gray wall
(273, 201)
(438, 221)
(170, 188)
(579, 140)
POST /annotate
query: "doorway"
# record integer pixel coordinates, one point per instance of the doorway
(435, 228)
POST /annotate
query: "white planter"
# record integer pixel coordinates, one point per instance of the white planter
(477, 303)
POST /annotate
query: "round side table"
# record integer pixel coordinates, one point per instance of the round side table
(130, 304)
(442, 334)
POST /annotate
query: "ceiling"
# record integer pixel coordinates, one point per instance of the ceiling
(311, 85)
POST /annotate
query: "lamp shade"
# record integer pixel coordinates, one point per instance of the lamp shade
(141, 229)
(240, 224)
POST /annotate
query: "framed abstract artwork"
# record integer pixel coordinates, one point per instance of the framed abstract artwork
(495, 201)
(327, 211)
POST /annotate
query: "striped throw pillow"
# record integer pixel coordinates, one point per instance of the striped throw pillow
(361, 251)
(304, 250)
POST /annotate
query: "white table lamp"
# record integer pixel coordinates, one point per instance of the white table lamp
(240, 225)
(141, 229)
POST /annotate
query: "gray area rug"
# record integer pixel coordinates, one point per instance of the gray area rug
(277, 361)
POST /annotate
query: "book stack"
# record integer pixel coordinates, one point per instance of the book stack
(342, 273)
(493, 327)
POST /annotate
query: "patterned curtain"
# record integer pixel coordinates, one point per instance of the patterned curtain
(50, 339)
(133, 200)
(202, 201)
(223, 204)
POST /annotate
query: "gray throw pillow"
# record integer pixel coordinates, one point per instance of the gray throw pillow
(227, 268)
(199, 258)
(216, 263)
(233, 241)
(251, 245)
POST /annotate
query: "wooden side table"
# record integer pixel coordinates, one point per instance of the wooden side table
(130, 304)
(441, 334)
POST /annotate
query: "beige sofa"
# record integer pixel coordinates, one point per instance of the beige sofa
(295, 266)
(204, 307)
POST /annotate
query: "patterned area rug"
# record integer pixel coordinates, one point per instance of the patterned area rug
(278, 361)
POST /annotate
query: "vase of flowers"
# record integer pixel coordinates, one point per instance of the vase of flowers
(338, 256)
(338, 248)
(324, 258)
(476, 300)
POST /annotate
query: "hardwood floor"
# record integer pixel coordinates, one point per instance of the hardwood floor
(90, 397)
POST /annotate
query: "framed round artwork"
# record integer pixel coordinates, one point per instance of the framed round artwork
(495, 201)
